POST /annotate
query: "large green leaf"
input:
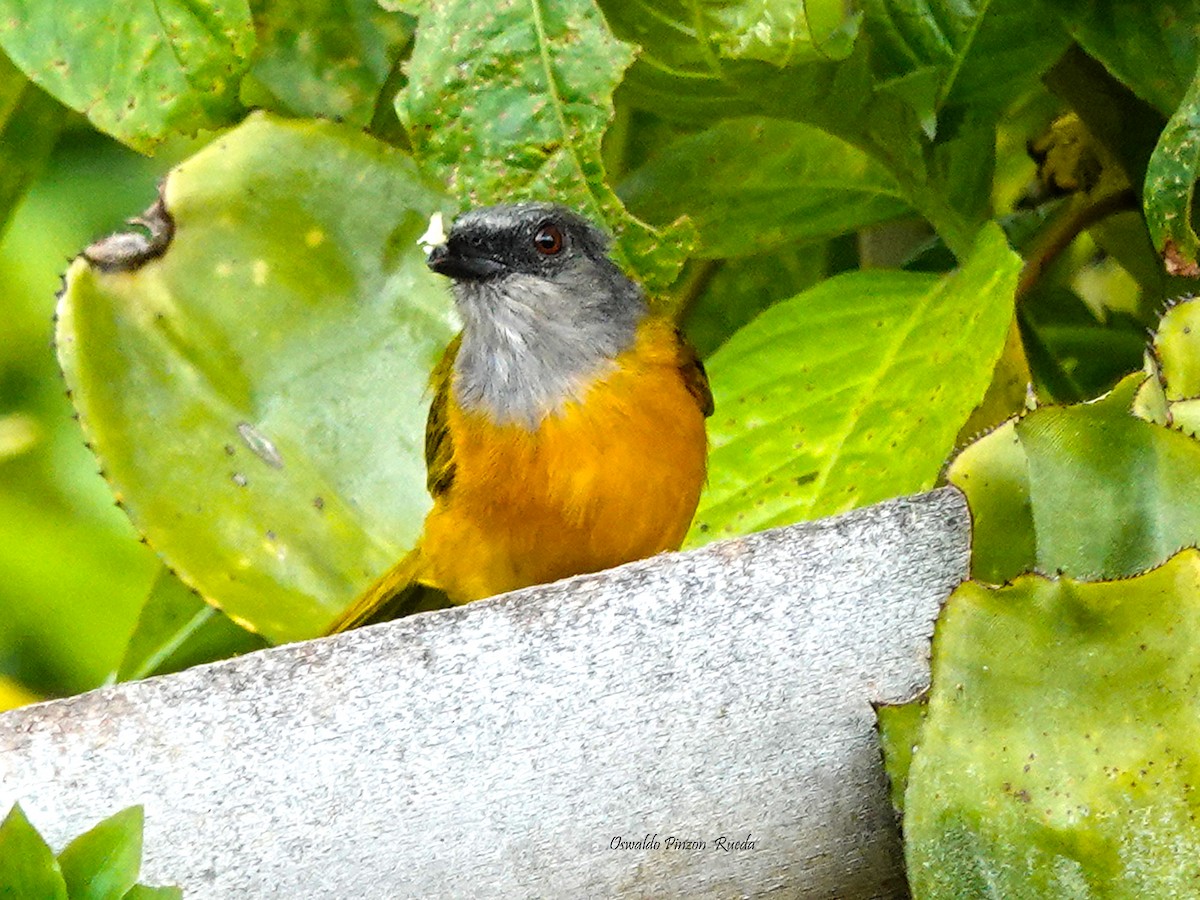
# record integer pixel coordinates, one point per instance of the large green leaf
(327, 58)
(1058, 757)
(103, 862)
(1152, 47)
(681, 74)
(255, 392)
(782, 32)
(29, 125)
(140, 70)
(28, 869)
(732, 292)
(687, 70)
(993, 472)
(852, 391)
(511, 101)
(1031, 483)
(978, 53)
(1137, 485)
(1171, 184)
(751, 185)
(962, 165)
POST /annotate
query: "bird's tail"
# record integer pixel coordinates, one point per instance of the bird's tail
(395, 593)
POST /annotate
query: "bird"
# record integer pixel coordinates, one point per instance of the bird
(567, 430)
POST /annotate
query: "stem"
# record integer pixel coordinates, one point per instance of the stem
(1056, 238)
(1053, 377)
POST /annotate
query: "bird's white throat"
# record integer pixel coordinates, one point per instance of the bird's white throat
(529, 348)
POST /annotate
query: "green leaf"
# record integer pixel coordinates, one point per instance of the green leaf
(30, 122)
(103, 863)
(981, 54)
(899, 730)
(1153, 48)
(177, 629)
(751, 185)
(962, 167)
(678, 75)
(13, 694)
(1113, 463)
(256, 392)
(739, 289)
(1176, 347)
(1030, 484)
(28, 869)
(852, 391)
(993, 472)
(885, 97)
(140, 70)
(1136, 484)
(142, 892)
(518, 110)
(1171, 184)
(328, 58)
(782, 32)
(1059, 756)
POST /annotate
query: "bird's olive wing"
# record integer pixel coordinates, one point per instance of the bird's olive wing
(694, 376)
(439, 444)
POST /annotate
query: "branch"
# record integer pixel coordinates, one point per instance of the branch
(1055, 239)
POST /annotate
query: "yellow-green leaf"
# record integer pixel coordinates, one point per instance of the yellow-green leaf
(851, 392)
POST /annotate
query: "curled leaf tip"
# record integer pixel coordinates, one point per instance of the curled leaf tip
(1177, 263)
(127, 251)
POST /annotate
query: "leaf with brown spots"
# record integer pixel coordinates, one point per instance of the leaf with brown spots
(510, 101)
(1060, 750)
(272, 350)
(141, 70)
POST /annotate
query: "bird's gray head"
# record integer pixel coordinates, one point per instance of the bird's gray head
(545, 311)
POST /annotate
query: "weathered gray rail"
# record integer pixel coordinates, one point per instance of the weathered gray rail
(526, 746)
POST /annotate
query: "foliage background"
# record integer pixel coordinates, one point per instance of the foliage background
(797, 140)
(896, 230)
(72, 573)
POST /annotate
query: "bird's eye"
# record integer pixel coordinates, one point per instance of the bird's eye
(548, 240)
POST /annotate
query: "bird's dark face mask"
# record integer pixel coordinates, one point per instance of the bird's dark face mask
(544, 308)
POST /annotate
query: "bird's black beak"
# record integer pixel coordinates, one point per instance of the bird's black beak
(463, 266)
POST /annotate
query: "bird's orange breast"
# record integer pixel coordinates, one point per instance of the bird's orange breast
(612, 477)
